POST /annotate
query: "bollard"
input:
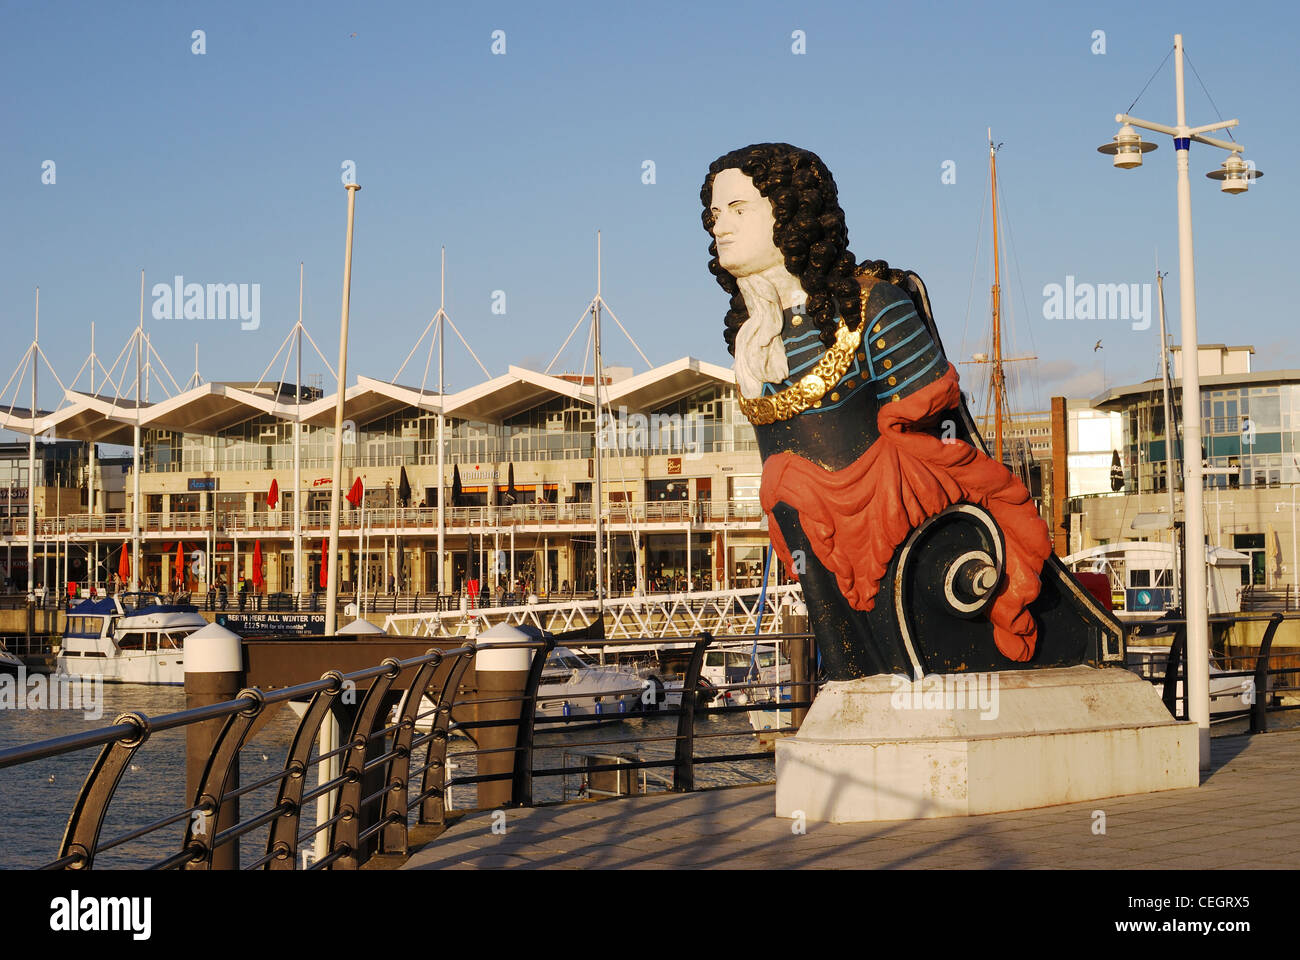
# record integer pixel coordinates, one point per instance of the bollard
(500, 674)
(214, 673)
(801, 650)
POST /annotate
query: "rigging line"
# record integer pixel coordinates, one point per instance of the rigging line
(328, 366)
(456, 330)
(284, 371)
(1148, 83)
(416, 347)
(1228, 131)
(648, 364)
(1020, 281)
(428, 362)
(276, 356)
(586, 310)
(49, 366)
(970, 294)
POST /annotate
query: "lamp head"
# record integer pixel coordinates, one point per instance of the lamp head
(1236, 174)
(1127, 148)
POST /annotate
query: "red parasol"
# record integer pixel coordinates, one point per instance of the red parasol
(258, 580)
(356, 493)
(180, 564)
(124, 562)
(273, 497)
(324, 562)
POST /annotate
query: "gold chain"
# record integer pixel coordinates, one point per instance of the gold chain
(812, 386)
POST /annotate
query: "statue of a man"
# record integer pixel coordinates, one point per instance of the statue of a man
(917, 553)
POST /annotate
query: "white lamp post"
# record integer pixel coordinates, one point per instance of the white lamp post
(1127, 148)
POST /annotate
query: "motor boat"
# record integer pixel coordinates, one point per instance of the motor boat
(128, 638)
(573, 692)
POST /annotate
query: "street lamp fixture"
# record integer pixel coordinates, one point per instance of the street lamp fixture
(1236, 175)
(1127, 148)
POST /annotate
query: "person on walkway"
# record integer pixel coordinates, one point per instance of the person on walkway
(243, 593)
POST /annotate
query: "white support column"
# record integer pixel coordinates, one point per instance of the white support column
(1198, 631)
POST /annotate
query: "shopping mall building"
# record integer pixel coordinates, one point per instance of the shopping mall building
(679, 464)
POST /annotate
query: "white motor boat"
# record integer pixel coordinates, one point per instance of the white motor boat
(1227, 693)
(129, 638)
(573, 691)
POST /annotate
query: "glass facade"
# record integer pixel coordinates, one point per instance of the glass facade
(1249, 436)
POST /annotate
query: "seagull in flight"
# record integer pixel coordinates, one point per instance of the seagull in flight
(1096, 347)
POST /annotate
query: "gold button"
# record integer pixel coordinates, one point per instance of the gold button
(876, 328)
(862, 356)
(817, 404)
(888, 364)
(880, 343)
(849, 385)
(797, 320)
(893, 380)
(895, 396)
(834, 397)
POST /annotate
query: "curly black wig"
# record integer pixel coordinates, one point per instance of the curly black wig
(810, 232)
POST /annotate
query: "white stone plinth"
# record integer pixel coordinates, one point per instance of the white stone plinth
(880, 748)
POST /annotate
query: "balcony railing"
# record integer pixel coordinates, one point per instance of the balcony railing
(408, 519)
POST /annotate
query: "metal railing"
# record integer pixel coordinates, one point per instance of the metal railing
(383, 789)
(414, 519)
(1259, 691)
(394, 778)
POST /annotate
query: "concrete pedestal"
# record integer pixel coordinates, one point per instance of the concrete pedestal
(885, 748)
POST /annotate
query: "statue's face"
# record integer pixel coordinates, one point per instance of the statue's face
(743, 223)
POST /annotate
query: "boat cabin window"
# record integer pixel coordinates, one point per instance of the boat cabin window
(713, 658)
(151, 641)
(1139, 578)
(1164, 578)
(561, 659)
(131, 641)
(84, 626)
(173, 641)
(735, 659)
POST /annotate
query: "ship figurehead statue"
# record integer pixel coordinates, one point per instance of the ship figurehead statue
(916, 551)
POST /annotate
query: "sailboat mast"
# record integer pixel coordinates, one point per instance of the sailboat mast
(997, 384)
(596, 496)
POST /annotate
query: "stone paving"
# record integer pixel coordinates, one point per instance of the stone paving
(1245, 814)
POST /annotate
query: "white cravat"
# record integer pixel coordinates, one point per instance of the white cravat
(760, 354)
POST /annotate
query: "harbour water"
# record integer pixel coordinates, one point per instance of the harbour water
(39, 796)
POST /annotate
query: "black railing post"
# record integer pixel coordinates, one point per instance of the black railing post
(1259, 706)
(684, 768)
(433, 808)
(282, 839)
(345, 835)
(81, 835)
(521, 785)
(1173, 666)
(393, 838)
(210, 797)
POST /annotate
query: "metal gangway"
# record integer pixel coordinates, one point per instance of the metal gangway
(659, 615)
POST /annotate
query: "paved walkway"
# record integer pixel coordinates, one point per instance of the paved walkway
(1245, 814)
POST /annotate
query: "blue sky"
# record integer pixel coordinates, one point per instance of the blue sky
(225, 168)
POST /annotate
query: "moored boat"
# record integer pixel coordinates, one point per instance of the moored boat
(128, 638)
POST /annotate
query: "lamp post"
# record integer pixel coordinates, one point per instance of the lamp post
(1127, 149)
